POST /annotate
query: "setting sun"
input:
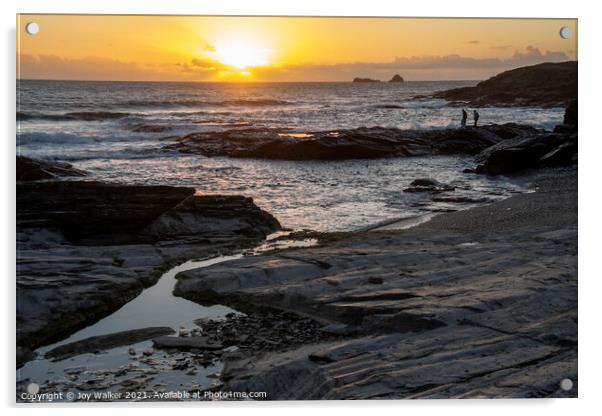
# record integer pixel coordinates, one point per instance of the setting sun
(284, 49)
(241, 54)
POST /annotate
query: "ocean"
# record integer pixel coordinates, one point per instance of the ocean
(114, 130)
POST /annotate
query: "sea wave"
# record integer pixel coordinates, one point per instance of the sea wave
(31, 138)
(78, 115)
(181, 114)
(410, 104)
(102, 115)
(204, 103)
(256, 102)
(387, 106)
(129, 153)
(53, 138)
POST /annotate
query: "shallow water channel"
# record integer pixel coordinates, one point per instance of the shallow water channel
(139, 364)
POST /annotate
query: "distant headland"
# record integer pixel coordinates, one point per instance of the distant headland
(542, 85)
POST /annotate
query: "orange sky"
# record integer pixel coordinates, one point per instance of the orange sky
(185, 48)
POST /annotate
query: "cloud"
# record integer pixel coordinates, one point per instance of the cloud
(474, 42)
(207, 64)
(452, 66)
(532, 54)
(520, 58)
(501, 47)
(56, 67)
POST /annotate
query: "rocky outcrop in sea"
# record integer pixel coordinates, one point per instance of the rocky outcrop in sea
(360, 143)
(364, 80)
(505, 148)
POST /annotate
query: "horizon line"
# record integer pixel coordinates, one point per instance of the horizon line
(249, 82)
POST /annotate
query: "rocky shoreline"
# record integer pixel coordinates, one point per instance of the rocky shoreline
(463, 305)
(86, 248)
(477, 303)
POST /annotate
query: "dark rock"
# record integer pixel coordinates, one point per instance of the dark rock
(360, 143)
(23, 355)
(32, 170)
(426, 182)
(563, 155)
(211, 214)
(570, 121)
(428, 185)
(512, 130)
(571, 114)
(365, 80)
(514, 155)
(542, 85)
(375, 280)
(396, 78)
(508, 160)
(107, 342)
(565, 128)
(93, 210)
(99, 213)
(186, 343)
(388, 106)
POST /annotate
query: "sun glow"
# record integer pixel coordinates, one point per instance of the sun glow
(260, 49)
(241, 54)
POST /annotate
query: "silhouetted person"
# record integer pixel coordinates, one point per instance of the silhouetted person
(464, 117)
(476, 117)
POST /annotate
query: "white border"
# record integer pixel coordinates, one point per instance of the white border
(590, 288)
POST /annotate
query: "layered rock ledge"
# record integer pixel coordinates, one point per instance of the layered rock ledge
(477, 303)
(360, 143)
(86, 248)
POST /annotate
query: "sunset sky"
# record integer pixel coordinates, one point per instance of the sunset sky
(178, 48)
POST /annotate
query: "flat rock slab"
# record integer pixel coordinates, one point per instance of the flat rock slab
(477, 303)
(107, 342)
(186, 343)
(458, 362)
